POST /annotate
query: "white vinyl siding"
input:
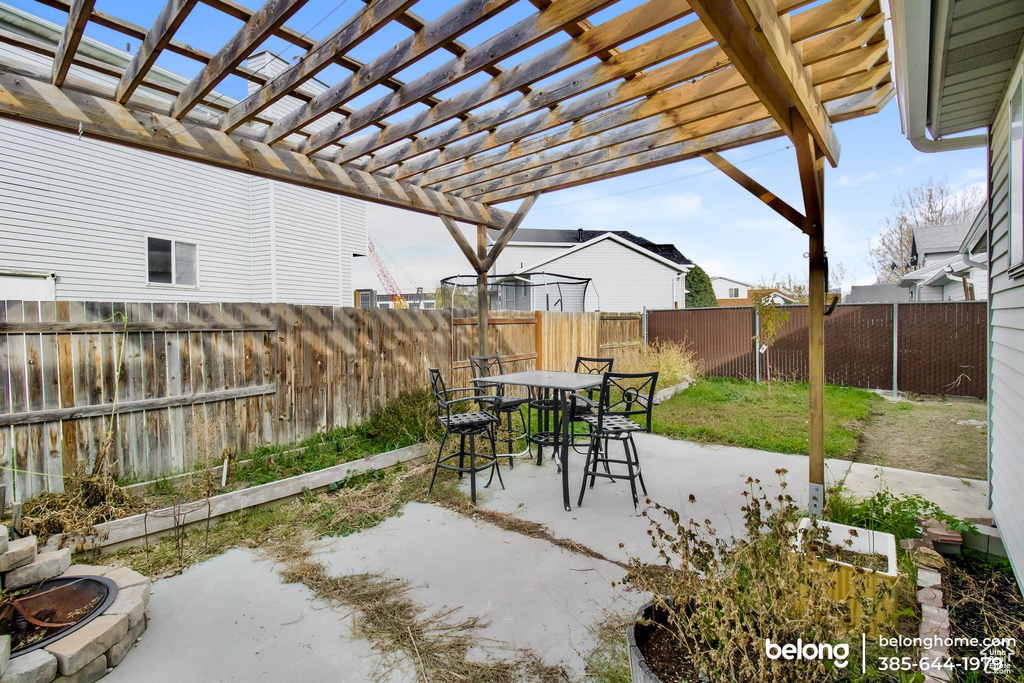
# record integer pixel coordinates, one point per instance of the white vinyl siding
(728, 289)
(515, 257)
(306, 246)
(83, 209)
(1006, 376)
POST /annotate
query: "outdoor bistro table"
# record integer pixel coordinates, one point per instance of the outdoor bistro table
(562, 383)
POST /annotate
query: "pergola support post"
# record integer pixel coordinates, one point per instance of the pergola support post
(482, 304)
(811, 163)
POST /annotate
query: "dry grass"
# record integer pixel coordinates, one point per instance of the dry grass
(674, 362)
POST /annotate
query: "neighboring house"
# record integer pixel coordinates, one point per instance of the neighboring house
(730, 292)
(89, 220)
(878, 293)
(931, 243)
(946, 273)
(371, 298)
(626, 271)
(959, 68)
(740, 294)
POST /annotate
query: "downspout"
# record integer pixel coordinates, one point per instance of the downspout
(918, 73)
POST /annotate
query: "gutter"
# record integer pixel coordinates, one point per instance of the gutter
(912, 22)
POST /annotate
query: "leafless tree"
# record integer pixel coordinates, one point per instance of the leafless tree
(930, 203)
(796, 286)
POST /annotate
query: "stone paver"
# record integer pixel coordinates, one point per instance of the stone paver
(122, 647)
(5, 653)
(131, 602)
(77, 649)
(87, 570)
(126, 578)
(19, 552)
(45, 566)
(90, 673)
(4, 537)
(34, 667)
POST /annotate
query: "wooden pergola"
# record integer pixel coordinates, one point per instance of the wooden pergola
(659, 83)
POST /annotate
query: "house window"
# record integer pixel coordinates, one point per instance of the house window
(170, 262)
(1017, 175)
(734, 292)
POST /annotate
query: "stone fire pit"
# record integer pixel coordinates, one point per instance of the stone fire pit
(88, 653)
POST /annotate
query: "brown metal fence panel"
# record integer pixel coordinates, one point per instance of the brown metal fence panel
(721, 338)
(942, 348)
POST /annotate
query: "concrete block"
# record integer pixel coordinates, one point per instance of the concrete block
(928, 578)
(131, 602)
(45, 566)
(90, 673)
(87, 570)
(5, 653)
(38, 666)
(988, 541)
(19, 552)
(122, 647)
(126, 578)
(5, 536)
(77, 649)
(930, 596)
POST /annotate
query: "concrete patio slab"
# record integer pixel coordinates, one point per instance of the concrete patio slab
(532, 594)
(233, 619)
(715, 475)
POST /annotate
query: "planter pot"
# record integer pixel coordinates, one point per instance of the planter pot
(866, 542)
(637, 635)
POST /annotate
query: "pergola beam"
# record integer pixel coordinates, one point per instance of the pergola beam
(758, 190)
(510, 229)
(31, 98)
(760, 46)
(171, 17)
(78, 17)
(429, 38)
(348, 35)
(505, 44)
(260, 26)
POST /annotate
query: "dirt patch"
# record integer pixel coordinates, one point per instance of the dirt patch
(929, 435)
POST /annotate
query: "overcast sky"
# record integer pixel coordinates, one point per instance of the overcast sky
(708, 217)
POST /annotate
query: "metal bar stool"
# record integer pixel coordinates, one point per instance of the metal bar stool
(625, 400)
(507, 406)
(463, 424)
(587, 366)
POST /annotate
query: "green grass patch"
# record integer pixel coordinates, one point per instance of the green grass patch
(766, 417)
(408, 420)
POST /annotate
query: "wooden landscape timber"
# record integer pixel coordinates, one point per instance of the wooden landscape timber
(631, 89)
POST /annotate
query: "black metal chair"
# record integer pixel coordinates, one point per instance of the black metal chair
(507, 406)
(625, 401)
(585, 366)
(549, 421)
(469, 423)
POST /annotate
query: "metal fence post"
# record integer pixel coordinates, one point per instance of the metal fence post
(895, 348)
(757, 347)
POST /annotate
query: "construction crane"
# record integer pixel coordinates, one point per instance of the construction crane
(384, 275)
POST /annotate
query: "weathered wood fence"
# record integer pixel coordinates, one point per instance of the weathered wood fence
(189, 380)
(940, 348)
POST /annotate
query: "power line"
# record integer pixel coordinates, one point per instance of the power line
(648, 187)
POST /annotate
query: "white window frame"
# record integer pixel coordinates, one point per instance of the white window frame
(736, 295)
(174, 268)
(1015, 228)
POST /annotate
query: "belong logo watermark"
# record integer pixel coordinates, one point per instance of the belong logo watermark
(800, 651)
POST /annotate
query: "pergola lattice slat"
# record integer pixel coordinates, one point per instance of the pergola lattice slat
(258, 28)
(157, 38)
(518, 37)
(429, 38)
(78, 17)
